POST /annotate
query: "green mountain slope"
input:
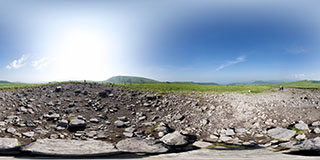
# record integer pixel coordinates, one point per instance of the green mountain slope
(4, 82)
(130, 79)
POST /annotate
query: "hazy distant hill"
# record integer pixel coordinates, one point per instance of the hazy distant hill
(2, 81)
(256, 82)
(130, 79)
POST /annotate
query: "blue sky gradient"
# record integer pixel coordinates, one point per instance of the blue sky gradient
(204, 41)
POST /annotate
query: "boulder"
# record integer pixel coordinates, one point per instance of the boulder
(139, 145)
(310, 144)
(77, 124)
(281, 133)
(175, 139)
(59, 147)
(301, 126)
(8, 145)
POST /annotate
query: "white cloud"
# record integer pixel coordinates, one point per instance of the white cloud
(40, 63)
(230, 63)
(296, 50)
(18, 63)
(301, 76)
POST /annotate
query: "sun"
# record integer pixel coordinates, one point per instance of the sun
(81, 53)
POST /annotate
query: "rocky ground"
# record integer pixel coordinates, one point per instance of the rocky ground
(123, 120)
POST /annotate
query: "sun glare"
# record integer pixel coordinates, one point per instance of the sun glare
(81, 53)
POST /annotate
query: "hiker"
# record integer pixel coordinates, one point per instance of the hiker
(281, 88)
(85, 81)
(249, 91)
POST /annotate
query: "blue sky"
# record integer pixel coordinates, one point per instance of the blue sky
(204, 41)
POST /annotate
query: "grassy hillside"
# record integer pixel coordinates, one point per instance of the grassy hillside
(165, 87)
(130, 79)
(189, 87)
(4, 82)
(298, 84)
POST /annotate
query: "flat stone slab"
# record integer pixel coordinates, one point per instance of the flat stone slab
(59, 147)
(139, 145)
(310, 144)
(8, 145)
(281, 134)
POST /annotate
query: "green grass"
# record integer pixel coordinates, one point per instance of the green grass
(196, 87)
(187, 87)
(226, 145)
(299, 131)
(8, 86)
(152, 128)
(258, 88)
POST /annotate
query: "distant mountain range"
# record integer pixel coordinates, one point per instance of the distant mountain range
(130, 79)
(133, 79)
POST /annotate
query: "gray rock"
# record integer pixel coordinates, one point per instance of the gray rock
(301, 126)
(53, 116)
(241, 131)
(130, 130)
(77, 124)
(310, 144)
(139, 145)
(316, 130)
(8, 145)
(128, 134)
(230, 132)
(28, 134)
(63, 123)
(11, 130)
(281, 133)
(94, 120)
(29, 123)
(59, 147)
(204, 122)
(316, 124)
(178, 117)
(201, 144)
(119, 123)
(175, 139)
(225, 138)
(58, 89)
(151, 97)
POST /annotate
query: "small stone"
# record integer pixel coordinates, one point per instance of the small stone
(201, 144)
(230, 132)
(28, 134)
(94, 120)
(29, 123)
(58, 89)
(300, 137)
(316, 124)
(224, 138)
(11, 130)
(213, 138)
(301, 126)
(128, 134)
(316, 130)
(130, 130)
(119, 123)
(63, 123)
(161, 134)
(175, 139)
(204, 122)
